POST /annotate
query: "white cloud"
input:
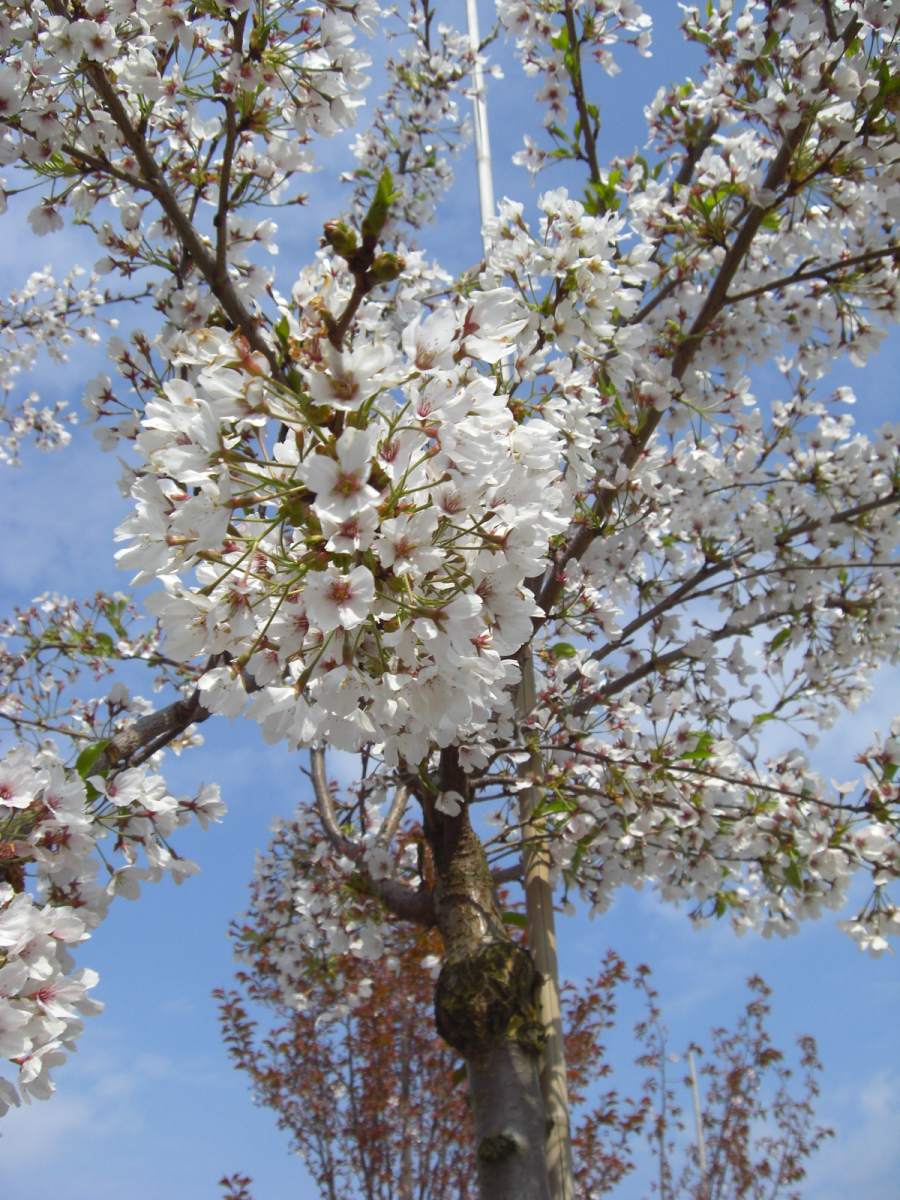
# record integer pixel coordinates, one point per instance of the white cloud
(58, 525)
(864, 1157)
(24, 253)
(71, 1122)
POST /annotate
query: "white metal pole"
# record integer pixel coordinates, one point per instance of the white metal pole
(482, 136)
(541, 920)
(698, 1120)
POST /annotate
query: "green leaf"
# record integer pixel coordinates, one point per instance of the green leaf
(560, 40)
(104, 644)
(55, 167)
(780, 638)
(555, 806)
(113, 612)
(702, 749)
(761, 718)
(86, 759)
(601, 196)
(793, 877)
(281, 329)
(563, 650)
(384, 193)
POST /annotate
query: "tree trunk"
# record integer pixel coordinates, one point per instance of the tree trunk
(485, 1008)
(505, 1092)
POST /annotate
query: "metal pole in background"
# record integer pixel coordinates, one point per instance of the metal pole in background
(482, 137)
(698, 1120)
(536, 866)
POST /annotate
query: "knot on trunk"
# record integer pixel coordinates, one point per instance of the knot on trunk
(486, 996)
(498, 1146)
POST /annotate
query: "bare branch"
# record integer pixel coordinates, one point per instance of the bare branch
(395, 816)
(400, 899)
(325, 804)
(588, 127)
(511, 874)
(820, 272)
(136, 743)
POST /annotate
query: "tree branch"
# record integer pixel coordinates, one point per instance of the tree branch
(659, 663)
(388, 831)
(684, 591)
(575, 77)
(815, 272)
(155, 182)
(400, 899)
(135, 744)
(713, 304)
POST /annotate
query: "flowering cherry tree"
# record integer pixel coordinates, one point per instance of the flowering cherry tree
(534, 543)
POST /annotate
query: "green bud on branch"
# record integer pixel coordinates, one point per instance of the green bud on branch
(341, 238)
(376, 218)
(386, 268)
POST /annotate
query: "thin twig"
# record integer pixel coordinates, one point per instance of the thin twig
(402, 900)
(819, 272)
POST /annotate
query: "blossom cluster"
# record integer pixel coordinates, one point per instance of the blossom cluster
(417, 125)
(552, 38)
(52, 648)
(748, 106)
(233, 102)
(381, 547)
(41, 997)
(44, 315)
(768, 843)
(311, 905)
(543, 38)
(302, 72)
(374, 589)
(51, 899)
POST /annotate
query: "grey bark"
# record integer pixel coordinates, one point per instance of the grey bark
(505, 1092)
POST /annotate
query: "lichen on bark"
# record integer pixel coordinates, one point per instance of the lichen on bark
(486, 990)
(488, 995)
(497, 1147)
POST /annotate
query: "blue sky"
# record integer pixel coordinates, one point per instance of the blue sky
(150, 1107)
